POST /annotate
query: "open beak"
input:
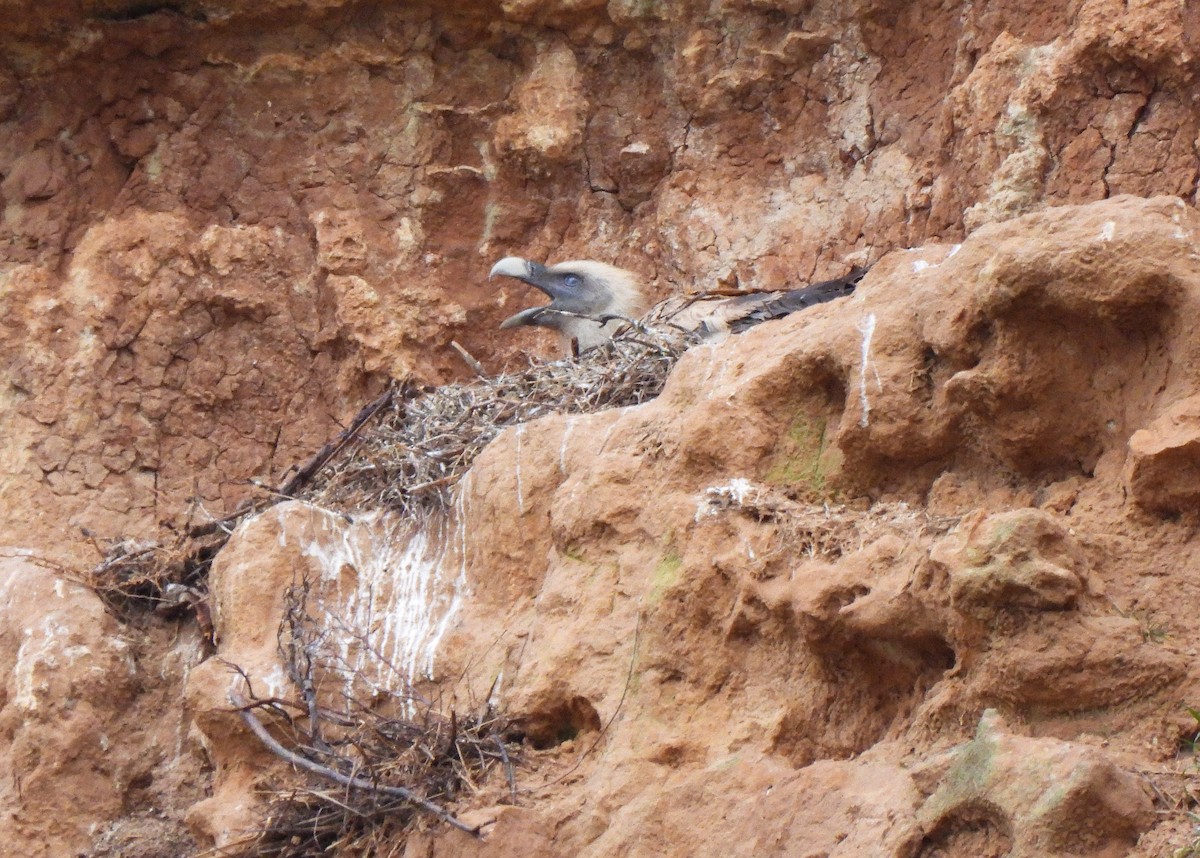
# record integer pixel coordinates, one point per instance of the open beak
(529, 272)
(511, 266)
(525, 317)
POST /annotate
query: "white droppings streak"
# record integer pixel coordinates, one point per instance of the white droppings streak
(23, 675)
(562, 448)
(42, 651)
(1108, 230)
(181, 724)
(716, 374)
(392, 604)
(723, 380)
(449, 604)
(460, 507)
(276, 682)
(920, 265)
(392, 599)
(867, 329)
(739, 489)
(520, 493)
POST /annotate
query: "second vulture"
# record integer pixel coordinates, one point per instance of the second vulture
(591, 301)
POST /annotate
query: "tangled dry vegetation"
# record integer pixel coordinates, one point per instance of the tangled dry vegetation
(373, 765)
(825, 531)
(418, 448)
(136, 579)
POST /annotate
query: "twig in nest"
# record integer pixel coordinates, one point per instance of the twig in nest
(243, 707)
(468, 359)
(509, 773)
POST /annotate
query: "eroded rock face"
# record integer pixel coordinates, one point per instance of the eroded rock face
(699, 605)
(226, 226)
(279, 217)
(81, 720)
(681, 556)
(1002, 794)
(1163, 463)
(67, 672)
(1020, 559)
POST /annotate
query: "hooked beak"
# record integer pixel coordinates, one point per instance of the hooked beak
(524, 270)
(529, 272)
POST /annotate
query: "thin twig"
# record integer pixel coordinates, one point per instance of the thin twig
(468, 359)
(509, 774)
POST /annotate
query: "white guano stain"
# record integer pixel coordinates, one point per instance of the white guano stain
(713, 499)
(520, 493)
(867, 329)
(920, 265)
(44, 649)
(396, 590)
(568, 426)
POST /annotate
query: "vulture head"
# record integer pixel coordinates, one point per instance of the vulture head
(582, 293)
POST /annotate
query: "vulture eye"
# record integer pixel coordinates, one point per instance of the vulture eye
(574, 281)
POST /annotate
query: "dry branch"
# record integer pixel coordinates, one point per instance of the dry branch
(305, 473)
(469, 359)
(243, 706)
(389, 761)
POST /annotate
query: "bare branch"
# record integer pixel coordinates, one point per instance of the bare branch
(242, 705)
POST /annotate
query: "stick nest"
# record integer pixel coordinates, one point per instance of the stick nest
(417, 449)
(135, 577)
(437, 757)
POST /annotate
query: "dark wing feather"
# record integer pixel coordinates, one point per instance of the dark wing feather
(759, 308)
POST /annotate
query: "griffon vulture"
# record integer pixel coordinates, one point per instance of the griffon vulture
(591, 301)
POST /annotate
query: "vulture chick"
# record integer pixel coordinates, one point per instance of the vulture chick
(589, 302)
(582, 294)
